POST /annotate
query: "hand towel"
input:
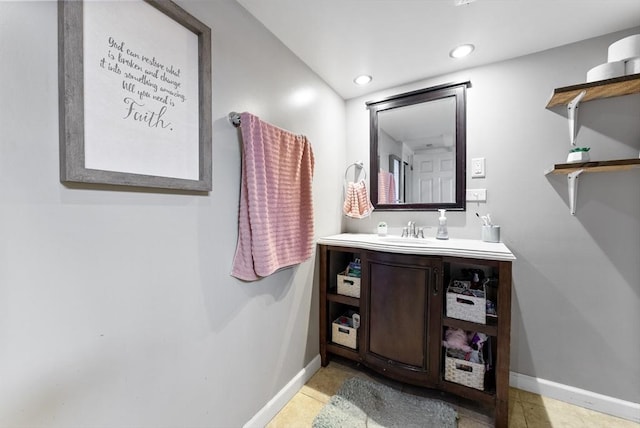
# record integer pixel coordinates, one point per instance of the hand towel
(356, 202)
(275, 222)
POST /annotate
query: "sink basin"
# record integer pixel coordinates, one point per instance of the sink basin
(410, 242)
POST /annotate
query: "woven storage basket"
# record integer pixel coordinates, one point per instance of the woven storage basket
(464, 372)
(348, 285)
(343, 333)
(464, 307)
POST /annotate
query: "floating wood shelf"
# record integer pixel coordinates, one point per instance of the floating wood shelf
(572, 96)
(625, 85)
(601, 166)
(573, 171)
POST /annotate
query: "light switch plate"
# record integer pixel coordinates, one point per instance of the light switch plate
(476, 195)
(477, 168)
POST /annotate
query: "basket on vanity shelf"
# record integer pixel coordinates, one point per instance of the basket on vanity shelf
(457, 369)
(349, 280)
(344, 330)
(348, 285)
(466, 304)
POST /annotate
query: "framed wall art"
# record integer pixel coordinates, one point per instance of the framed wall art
(135, 95)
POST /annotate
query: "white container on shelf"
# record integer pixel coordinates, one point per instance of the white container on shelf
(608, 70)
(632, 66)
(491, 233)
(623, 49)
(575, 157)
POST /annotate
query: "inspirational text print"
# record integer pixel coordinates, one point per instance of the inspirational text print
(149, 88)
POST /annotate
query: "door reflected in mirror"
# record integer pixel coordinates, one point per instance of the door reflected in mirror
(423, 135)
(418, 149)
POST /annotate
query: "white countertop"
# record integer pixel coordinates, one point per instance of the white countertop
(470, 248)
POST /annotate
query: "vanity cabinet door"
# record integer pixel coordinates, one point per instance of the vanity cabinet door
(398, 304)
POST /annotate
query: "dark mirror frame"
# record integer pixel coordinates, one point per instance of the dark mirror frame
(457, 90)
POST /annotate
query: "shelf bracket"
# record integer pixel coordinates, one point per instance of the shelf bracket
(572, 179)
(572, 110)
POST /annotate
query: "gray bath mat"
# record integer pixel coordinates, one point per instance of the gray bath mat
(360, 403)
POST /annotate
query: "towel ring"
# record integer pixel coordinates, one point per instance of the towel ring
(358, 164)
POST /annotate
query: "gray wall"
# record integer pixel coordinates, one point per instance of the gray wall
(576, 302)
(117, 307)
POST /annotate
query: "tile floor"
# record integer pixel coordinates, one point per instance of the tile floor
(526, 410)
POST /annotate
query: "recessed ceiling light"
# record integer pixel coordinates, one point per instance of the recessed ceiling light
(362, 79)
(461, 51)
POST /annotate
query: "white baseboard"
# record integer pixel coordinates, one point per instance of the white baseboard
(576, 396)
(262, 418)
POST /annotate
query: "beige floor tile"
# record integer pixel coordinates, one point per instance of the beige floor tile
(541, 410)
(560, 413)
(465, 422)
(535, 416)
(328, 380)
(516, 414)
(528, 397)
(594, 419)
(565, 420)
(551, 404)
(473, 413)
(552, 415)
(513, 395)
(299, 412)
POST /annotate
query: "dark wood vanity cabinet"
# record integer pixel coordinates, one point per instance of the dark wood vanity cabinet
(403, 317)
(398, 314)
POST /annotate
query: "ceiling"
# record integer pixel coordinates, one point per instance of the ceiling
(401, 41)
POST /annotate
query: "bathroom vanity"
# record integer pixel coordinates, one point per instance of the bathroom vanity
(405, 309)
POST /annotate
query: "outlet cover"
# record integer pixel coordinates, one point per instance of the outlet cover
(476, 195)
(477, 168)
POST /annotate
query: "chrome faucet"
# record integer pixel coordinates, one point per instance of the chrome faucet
(407, 232)
(411, 231)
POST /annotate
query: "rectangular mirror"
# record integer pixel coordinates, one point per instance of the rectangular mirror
(418, 149)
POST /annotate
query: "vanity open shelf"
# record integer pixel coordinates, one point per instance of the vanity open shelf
(332, 296)
(404, 313)
(490, 328)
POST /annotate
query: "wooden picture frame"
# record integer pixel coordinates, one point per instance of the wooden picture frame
(135, 95)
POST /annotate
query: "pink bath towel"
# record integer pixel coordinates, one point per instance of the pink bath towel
(275, 224)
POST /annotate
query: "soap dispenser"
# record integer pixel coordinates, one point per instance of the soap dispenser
(442, 226)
